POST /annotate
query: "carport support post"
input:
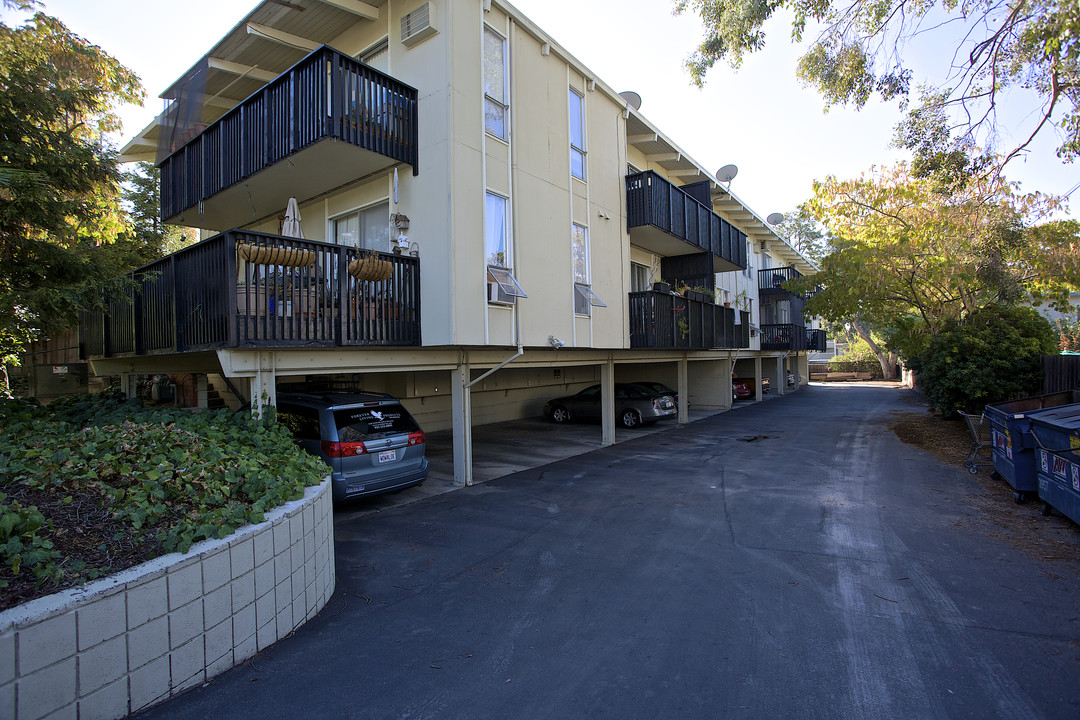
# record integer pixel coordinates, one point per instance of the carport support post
(684, 393)
(129, 384)
(780, 385)
(607, 403)
(264, 384)
(758, 395)
(461, 409)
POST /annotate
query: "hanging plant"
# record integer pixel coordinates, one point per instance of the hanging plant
(263, 255)
(371, 268)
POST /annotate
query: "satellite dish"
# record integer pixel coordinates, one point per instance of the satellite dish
(632, 99)
(727, 173)
(775, 218)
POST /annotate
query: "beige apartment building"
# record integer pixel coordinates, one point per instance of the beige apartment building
(484, 225)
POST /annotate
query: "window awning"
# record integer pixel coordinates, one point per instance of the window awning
(506, 281)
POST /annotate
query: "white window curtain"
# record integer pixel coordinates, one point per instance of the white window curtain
(495, 246)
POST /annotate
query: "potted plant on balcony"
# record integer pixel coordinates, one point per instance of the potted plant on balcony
(742, 300)
(698, 292)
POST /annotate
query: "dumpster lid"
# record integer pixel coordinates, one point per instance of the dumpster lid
(1065, 418)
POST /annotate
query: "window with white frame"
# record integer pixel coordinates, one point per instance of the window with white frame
(502, 286)
(368, 228)
(495, 92)
(577, 135)
(639, 277)
(496, 250)
(584, 298)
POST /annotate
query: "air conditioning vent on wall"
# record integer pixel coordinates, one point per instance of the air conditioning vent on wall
(418, 25)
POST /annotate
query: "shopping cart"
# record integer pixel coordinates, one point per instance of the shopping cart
(979, 427)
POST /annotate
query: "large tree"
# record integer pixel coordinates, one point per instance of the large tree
(60, 217)
(907, 258)
(864, 49)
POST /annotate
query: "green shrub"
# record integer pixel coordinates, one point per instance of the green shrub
(22, 542)
(155, 479)
(990, 356)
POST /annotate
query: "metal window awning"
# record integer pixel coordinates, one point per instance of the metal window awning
(586, 292)
(506, 281)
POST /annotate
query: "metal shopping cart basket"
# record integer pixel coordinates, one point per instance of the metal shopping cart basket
(979, 427)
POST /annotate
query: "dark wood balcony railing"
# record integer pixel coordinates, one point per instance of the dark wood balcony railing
(771, 280)
(815, 340)
(787, 336)
(663, 320)
(652, 201)
(207, 296)
(325, 95)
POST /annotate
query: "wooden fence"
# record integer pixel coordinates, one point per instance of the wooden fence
(1060, 373)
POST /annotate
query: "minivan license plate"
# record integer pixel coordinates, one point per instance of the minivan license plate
(387, 456)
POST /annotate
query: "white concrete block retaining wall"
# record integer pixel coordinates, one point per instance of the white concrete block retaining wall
(122, 643)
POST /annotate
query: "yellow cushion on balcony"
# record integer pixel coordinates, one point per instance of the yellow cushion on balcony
(290, 257)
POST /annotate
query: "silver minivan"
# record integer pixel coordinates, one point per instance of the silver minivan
(370, 441)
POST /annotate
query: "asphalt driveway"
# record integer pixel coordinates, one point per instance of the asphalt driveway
(789, 560)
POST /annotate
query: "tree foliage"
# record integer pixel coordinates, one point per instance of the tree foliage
(863, 49)
(60, 217)
(150, 238)
(1068, 333)
(804, 233)
(906, 259)
(990, 356)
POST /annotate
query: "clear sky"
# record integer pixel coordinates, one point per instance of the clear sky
(759, 118)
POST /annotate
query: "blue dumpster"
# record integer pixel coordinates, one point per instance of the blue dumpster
(1057, 443)
(1010, 437)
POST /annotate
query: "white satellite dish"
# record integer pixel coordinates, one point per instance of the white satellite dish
(775, 218)
(727, 173)
(632, 99)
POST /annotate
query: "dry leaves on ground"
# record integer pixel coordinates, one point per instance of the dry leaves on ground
(1054, 539)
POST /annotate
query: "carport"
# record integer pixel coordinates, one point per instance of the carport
(439, 385)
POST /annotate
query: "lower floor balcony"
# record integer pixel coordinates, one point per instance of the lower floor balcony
(664, 320)
(249, 289)
(815, 340)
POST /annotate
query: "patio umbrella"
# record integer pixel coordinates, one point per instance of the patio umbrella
(291, 226)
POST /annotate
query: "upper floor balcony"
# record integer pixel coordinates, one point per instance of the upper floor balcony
(245, 289)
(664, 320)
(771, 280)
(326, 121)
(666, 220)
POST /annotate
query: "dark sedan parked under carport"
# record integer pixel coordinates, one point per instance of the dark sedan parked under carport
(634, 405)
